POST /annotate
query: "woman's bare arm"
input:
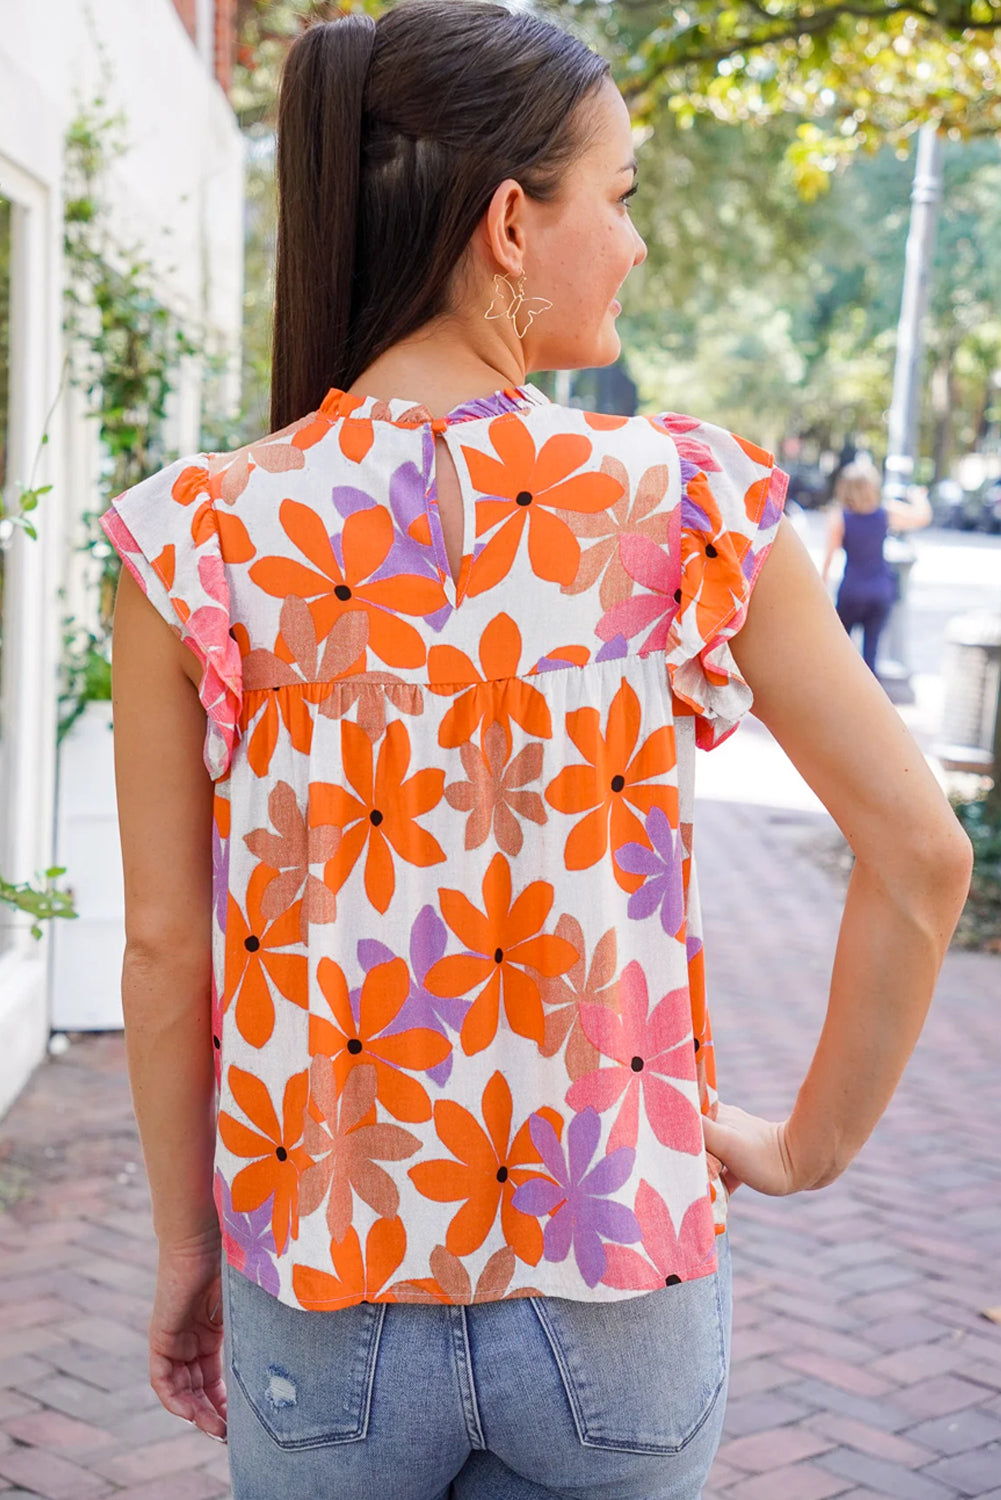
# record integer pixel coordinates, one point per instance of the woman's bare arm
(165, 821)
(908, 515)
(912, 859)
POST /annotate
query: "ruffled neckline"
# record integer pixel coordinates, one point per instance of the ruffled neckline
(402, 412)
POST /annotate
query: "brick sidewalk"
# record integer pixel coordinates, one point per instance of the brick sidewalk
(861, 1364)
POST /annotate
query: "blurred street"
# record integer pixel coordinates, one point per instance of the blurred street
(862, 1363)
(955, 572)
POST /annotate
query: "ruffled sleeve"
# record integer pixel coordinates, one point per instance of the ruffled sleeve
(732, 497)
(166, 532)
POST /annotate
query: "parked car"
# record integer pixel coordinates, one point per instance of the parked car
(989, 500)
(809, 486)
(954, 507)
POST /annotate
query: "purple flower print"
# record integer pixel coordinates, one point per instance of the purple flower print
(613, 649)
(248, 1238)
(693, 516)
(583, 1211)
(773, 505)
(663, 888)
(347, 499)
(428, 940)
(408, 486)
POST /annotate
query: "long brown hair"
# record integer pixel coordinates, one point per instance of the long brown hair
(392, 136)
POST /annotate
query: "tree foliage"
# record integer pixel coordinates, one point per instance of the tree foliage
(776, 313)
(854, 75)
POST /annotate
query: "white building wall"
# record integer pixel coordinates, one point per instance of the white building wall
(175, 197)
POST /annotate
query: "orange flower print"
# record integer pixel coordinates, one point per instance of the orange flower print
(503, 943)
(195, 483)
(366, 537)
(530, 488)
(355, 435)
(279, 1159)
(450, 1281)
(356, 1278)
(383, 813)
(713, 588)
(350, 1041)
(489, 1167)
(495, 795)
(499, 696)
(252, 958)
(616, 774)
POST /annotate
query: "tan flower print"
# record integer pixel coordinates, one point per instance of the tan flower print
(290, 851)
(450, 1281)
(295, 663)
(622, 518)
(372, 691)
(278, 453)
(343, 1137)
(494, 795)
(563, 994)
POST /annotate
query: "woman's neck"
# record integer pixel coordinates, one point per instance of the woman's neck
(441, 372)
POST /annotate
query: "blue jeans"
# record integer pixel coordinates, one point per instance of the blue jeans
(527, 1399)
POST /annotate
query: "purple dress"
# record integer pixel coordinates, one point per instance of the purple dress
(868, 588)
(868, 577)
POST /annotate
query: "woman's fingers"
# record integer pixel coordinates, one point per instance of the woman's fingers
(750, 1150)
(193, 1391)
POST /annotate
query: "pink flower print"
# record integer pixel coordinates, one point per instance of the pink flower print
(689, 448)
(656, 568)
(647, 1049)
(583, 1212)
(673, 1257)
(662, 864)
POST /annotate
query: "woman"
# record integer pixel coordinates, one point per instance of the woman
(858, 523)
(426, 916)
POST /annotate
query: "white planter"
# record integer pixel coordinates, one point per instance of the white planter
(87, 950)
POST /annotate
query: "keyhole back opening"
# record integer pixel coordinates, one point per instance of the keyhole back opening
(451, 507)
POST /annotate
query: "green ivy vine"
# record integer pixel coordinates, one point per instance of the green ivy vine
(123, 350)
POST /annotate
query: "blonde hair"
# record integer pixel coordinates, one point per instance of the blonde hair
(858, 487)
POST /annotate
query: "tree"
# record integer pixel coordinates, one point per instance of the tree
(855, 75)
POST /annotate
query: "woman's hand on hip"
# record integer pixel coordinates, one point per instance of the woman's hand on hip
(751, 1150)
(185, 1335)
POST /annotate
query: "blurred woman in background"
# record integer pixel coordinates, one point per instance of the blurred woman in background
(859, 521)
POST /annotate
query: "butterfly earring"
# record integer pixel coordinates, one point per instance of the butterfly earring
(509, 301)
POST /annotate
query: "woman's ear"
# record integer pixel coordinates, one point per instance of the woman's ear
(504, 227)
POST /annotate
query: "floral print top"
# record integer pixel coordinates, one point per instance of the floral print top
(462, 1042)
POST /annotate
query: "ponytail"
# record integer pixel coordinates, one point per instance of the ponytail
(318, 177)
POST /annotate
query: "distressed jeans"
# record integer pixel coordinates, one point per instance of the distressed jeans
(528, 1399)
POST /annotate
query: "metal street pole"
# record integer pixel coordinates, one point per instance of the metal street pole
(906, 401)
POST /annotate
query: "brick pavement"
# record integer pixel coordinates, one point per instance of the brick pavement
(861, 1364)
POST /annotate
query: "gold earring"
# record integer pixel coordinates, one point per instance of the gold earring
(516, 302)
